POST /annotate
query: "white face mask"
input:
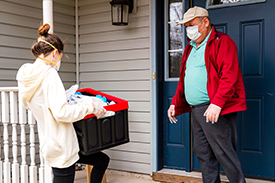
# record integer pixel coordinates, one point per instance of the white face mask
(57, 66)
(193, 32)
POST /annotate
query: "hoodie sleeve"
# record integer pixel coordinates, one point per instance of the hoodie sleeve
(25, 104)
(57, 103)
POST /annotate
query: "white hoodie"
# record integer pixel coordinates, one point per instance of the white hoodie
(43, 93)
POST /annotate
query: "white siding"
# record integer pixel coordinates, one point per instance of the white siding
(19, 21)
(64, 27)
(116, 60)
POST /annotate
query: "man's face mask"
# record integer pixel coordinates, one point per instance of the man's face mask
(193, 32)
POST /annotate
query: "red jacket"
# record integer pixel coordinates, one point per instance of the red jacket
(224, 79)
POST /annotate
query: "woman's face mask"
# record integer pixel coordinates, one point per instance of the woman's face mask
(58, 65)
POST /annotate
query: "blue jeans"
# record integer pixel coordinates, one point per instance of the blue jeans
(99, 160)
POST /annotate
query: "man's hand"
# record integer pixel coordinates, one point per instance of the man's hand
(171, 114)
(212, 113)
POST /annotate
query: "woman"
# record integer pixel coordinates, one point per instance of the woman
(42, 92)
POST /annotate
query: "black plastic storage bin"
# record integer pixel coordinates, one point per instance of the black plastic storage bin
(95, 134)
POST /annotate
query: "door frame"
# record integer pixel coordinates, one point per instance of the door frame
(156, 83)
(157, 78)
(154, 111)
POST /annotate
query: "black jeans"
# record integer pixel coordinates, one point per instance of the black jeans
(215, 144)
(99, 160)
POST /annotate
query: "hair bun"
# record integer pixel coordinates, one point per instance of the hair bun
(44, 29)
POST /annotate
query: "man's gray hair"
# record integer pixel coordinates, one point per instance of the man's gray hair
(201, 18)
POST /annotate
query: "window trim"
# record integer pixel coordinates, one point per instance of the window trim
(166, 42)
(208, 6)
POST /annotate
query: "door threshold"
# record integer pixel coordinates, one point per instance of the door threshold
(180, 176)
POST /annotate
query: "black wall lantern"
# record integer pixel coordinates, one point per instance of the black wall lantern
(121, 10)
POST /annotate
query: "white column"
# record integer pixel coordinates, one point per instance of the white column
(47, 18)
(48, 13)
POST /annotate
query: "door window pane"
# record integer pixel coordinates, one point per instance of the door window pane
(174, 64)
(175, 10)
(215, 2)
(175, 37)
(221, 3)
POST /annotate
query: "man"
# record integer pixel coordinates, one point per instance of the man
(211, 88)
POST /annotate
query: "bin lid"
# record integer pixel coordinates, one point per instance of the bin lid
(119, 106)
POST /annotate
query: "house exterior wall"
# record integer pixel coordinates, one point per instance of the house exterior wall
(116, 60)
(19, 21)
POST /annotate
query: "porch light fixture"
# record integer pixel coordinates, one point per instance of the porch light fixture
(120, 11)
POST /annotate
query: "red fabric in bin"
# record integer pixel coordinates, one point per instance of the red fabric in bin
(119, 106)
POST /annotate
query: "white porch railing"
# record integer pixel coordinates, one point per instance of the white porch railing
(14, 116)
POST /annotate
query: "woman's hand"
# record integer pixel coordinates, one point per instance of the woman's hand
(212, 113)
(99, 111)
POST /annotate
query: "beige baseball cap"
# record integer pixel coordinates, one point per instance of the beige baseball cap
(193, 13)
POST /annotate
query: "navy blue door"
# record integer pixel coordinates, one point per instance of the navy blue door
(176, 136)
(252, 27)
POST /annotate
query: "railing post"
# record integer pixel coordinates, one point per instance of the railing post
(33, 168)
(23, 122)
(1, 163)
(11, 113)
(41, 170)
(13, 119)
(5, 121)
